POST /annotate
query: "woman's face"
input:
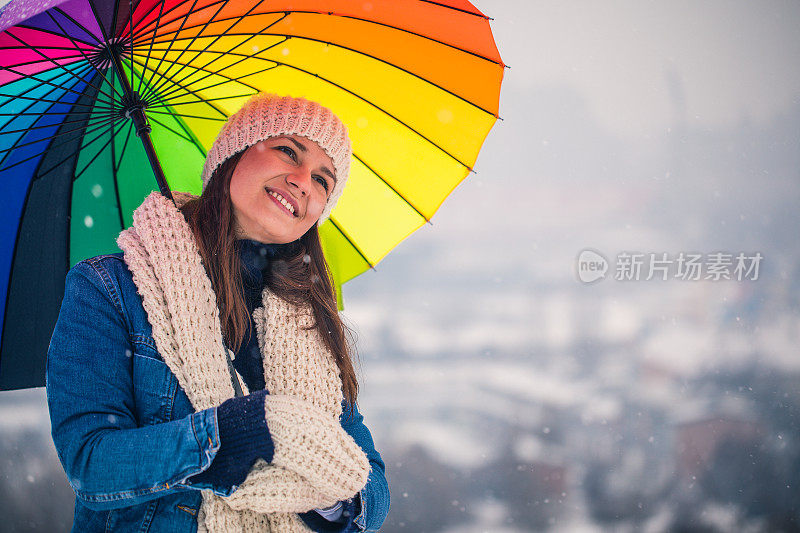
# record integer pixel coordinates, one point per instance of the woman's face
(279, 189)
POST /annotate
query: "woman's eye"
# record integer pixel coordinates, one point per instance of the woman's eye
(323, 181)
(287, 150)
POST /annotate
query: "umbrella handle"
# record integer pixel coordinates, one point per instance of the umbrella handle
(142, 129)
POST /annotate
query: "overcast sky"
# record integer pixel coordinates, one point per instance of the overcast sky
(735, 58)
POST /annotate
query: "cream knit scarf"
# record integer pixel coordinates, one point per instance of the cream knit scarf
(177, 295)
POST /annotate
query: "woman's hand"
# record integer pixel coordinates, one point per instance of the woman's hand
(244, 438)
(322, 462)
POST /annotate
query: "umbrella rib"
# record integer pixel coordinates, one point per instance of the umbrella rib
(31, 128)
(146, 29)
(201, 100)
(481, 15)
(220, 56)
(167, 95)
(309, 12)
(352, 242)
(17, 141)
(135, 75)
(16, 145)
(8, 32)
(79, 49)
(37, 61)
(426, 80)
(114, 169)
(130, 31)
(118, 163)
(151, 110)
(49, 147)
(114, 172)
(406, 200)
(208, 22)
(376, 106)
(114, 21)
(48, 47)
(46, 59)
(154, 119)
(79, 174)
(42, 82)
(36, 114)
(48, 32)
(150, 48)
(22, 113)
(150, 89)
(19, 96)
(98, 42)
(189, 133)
(40, 175)
(35, 100)
(150, 10)
(64, 113)
(100, 22)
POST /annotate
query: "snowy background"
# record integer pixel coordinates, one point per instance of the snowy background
(507, 396)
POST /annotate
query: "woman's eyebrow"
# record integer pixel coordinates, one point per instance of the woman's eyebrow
(302, 148)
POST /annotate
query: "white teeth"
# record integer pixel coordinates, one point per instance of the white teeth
(282, 200)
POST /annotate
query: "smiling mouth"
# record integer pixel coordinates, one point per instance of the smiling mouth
(283, 202)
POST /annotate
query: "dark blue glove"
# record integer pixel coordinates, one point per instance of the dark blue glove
(244, 438)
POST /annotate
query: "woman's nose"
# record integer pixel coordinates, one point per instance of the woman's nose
(301, 179)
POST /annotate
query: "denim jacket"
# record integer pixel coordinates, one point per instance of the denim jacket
(125, 432)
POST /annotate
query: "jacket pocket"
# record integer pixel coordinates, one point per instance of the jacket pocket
(153, 389)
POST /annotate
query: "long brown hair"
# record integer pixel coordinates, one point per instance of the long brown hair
(299, 274)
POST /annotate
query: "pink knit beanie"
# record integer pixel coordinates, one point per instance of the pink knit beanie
(267, 115)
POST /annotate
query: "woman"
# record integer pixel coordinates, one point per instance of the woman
(201, 379)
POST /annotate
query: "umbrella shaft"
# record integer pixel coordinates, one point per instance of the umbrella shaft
(134, 110)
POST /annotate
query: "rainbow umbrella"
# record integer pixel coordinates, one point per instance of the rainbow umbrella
(102, 102)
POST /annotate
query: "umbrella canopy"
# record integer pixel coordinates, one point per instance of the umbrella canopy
(102, 102)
